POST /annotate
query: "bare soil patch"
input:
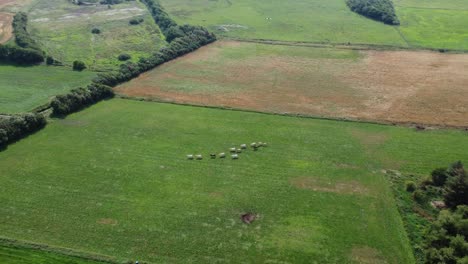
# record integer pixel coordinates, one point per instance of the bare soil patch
(387, 86)
(367, 255)
(248, 218)
(343, 187)
(6, 28)
(107, 221)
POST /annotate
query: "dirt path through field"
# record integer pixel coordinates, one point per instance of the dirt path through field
(391, 86)
(6, 29)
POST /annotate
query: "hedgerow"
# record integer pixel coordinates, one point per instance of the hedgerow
(18, 126)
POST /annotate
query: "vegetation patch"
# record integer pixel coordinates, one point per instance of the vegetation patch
(367, 255)
(381, 10)
(315, 184)
(380, 86)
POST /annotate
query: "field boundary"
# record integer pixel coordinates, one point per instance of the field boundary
(419, 126)
(18, 244)
(349, 46)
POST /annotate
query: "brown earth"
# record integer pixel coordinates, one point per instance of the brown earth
(386, 86)
(6, 29)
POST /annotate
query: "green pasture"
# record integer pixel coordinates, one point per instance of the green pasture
(64, 31)
(24, 88)
(18, 255)
(114, 180)
(425, 23)
(297, 20)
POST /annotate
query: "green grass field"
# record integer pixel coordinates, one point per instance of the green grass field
(298, 20)
(24, 88)
(425, 24)
(14, 255)
(124, 187)
(64, 31)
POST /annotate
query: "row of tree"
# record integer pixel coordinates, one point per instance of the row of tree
(381, 10)
(18, 126)
(26, 50)
(78, 98)
(446, 240)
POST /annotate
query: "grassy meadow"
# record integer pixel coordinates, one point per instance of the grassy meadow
(18, 255)
(124, 187)
(424, 23)
(298, 20)
(64, 31)
(24, 88)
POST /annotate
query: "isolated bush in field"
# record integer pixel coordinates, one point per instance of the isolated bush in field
(79, 65)
(124, 57)
(381, 10)
(96, 31)
(439, 176)
(135, 21)
(410, 186)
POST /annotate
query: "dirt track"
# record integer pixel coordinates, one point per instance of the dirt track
(391, 86)
(6, 29)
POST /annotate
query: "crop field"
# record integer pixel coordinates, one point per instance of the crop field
(428, 24)
(126, 189)
(389, 86)
(24, 88)
(6, 30)
(64, 31)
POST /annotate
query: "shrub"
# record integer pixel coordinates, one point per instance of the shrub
(96, 31)
(20, 55)
(79, 65)
(124, 57)
(134, 21)
(419, 196)
(410, 186)
(439, 176)
(381, 10)
(49, 60)
(456, 188)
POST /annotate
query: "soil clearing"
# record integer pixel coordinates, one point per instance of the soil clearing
(6, 28)
(419, 87)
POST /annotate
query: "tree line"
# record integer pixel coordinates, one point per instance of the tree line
(446, 240)
(381, 10)
(26, 50)
(18, 126)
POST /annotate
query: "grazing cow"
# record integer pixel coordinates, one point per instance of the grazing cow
(232, 150)
(199, 157)
(213, 156)
(253, 145)
(235, 156)
(222, 155)
(190, 157)
(243, 146)
(239, 150)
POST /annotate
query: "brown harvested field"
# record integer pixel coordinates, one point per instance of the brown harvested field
(6, 29)
(387, 86)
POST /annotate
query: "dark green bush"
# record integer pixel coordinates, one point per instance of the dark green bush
(79, 98)
(79, 65)
(410, 186)
(456, 188)
(381, 10)
(96, 31)
(420, 196)
(20, 55)
(439, 176)
(124, 57)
